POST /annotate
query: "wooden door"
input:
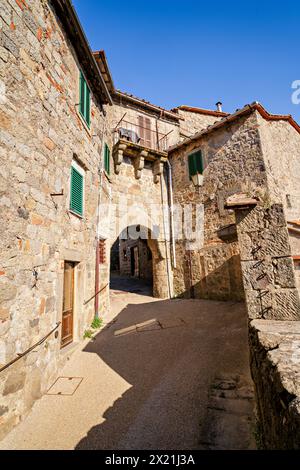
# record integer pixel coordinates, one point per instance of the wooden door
(68, 305)
(145, 131)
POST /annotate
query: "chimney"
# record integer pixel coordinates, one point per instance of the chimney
(219, 106)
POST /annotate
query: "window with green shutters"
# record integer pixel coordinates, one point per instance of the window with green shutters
(107, 159)
(195, 161)
(84, 100)
(76, 194)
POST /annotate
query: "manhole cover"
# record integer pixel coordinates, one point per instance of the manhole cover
(65, 386)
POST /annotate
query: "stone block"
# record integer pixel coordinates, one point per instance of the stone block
(14, 382)
(258, 303)
(257, 245)
(286, 305)
(30, 22)
(49, 144)
(260, 218)
(7, 42)
(50, 304)
(3, 410)
(8, 291)
(284, 274)
(257, 275)
(4, 314)
(274, 350)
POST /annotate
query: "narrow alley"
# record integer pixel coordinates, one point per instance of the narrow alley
(161, 374)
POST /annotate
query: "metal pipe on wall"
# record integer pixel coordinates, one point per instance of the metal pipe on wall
(165, 235)
(170, 186)
(97, 271)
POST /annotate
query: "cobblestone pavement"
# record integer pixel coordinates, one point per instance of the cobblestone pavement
(161, 374)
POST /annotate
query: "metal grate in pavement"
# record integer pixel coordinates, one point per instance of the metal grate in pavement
(65, 386)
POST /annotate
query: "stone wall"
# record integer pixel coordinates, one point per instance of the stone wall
(232, 159)
(144, 259)
(267, 266)
(275, 358)
(193, 122)
(273, 305)
(281, 149)
(41, 133)
(139, 201)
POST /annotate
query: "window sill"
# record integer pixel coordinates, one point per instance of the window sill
(76, 215)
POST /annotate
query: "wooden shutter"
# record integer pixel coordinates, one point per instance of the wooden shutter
(192, 166)
(87, 105)
(195, 162)
(141, 129)
(84, 100)
(145, 131)
(81, 94)
(199, 161)
(76, 196)
(107, 159)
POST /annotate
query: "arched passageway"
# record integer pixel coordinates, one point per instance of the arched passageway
(138, 259)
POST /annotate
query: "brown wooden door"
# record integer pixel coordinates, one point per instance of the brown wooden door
(68, 305)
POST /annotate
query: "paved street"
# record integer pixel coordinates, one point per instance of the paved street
(160, 375)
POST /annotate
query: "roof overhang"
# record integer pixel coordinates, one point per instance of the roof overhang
(206, 112)
(119, 97)
(248, 109)
(70, 21)
(102, 63)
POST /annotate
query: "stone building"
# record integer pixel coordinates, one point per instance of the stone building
(142, 133)
(53, 134)
(236, 155)
(194, 119)
(89, 179)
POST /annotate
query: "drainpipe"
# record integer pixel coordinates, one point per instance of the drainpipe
(165, 234)
(170, 187)
(97, 271)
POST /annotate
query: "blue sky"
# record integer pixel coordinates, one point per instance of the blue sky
(192, 52)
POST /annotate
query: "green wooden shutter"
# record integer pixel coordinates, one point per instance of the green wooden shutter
(76, 196)
(87, 105)
(192, 166)
(199, 161)
(107, 159)
(82, 94)
(195, 162)
(84, 100)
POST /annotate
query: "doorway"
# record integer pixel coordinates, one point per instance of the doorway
(134, 259)
(68, 304)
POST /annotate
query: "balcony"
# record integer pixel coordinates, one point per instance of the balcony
(140, 142)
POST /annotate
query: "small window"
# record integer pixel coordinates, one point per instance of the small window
(107, 159)
(84, 100)
(76, 192)
(195, 161)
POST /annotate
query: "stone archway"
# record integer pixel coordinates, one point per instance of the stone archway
(152, 254)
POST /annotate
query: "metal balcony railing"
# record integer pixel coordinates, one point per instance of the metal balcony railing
(141, 135)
